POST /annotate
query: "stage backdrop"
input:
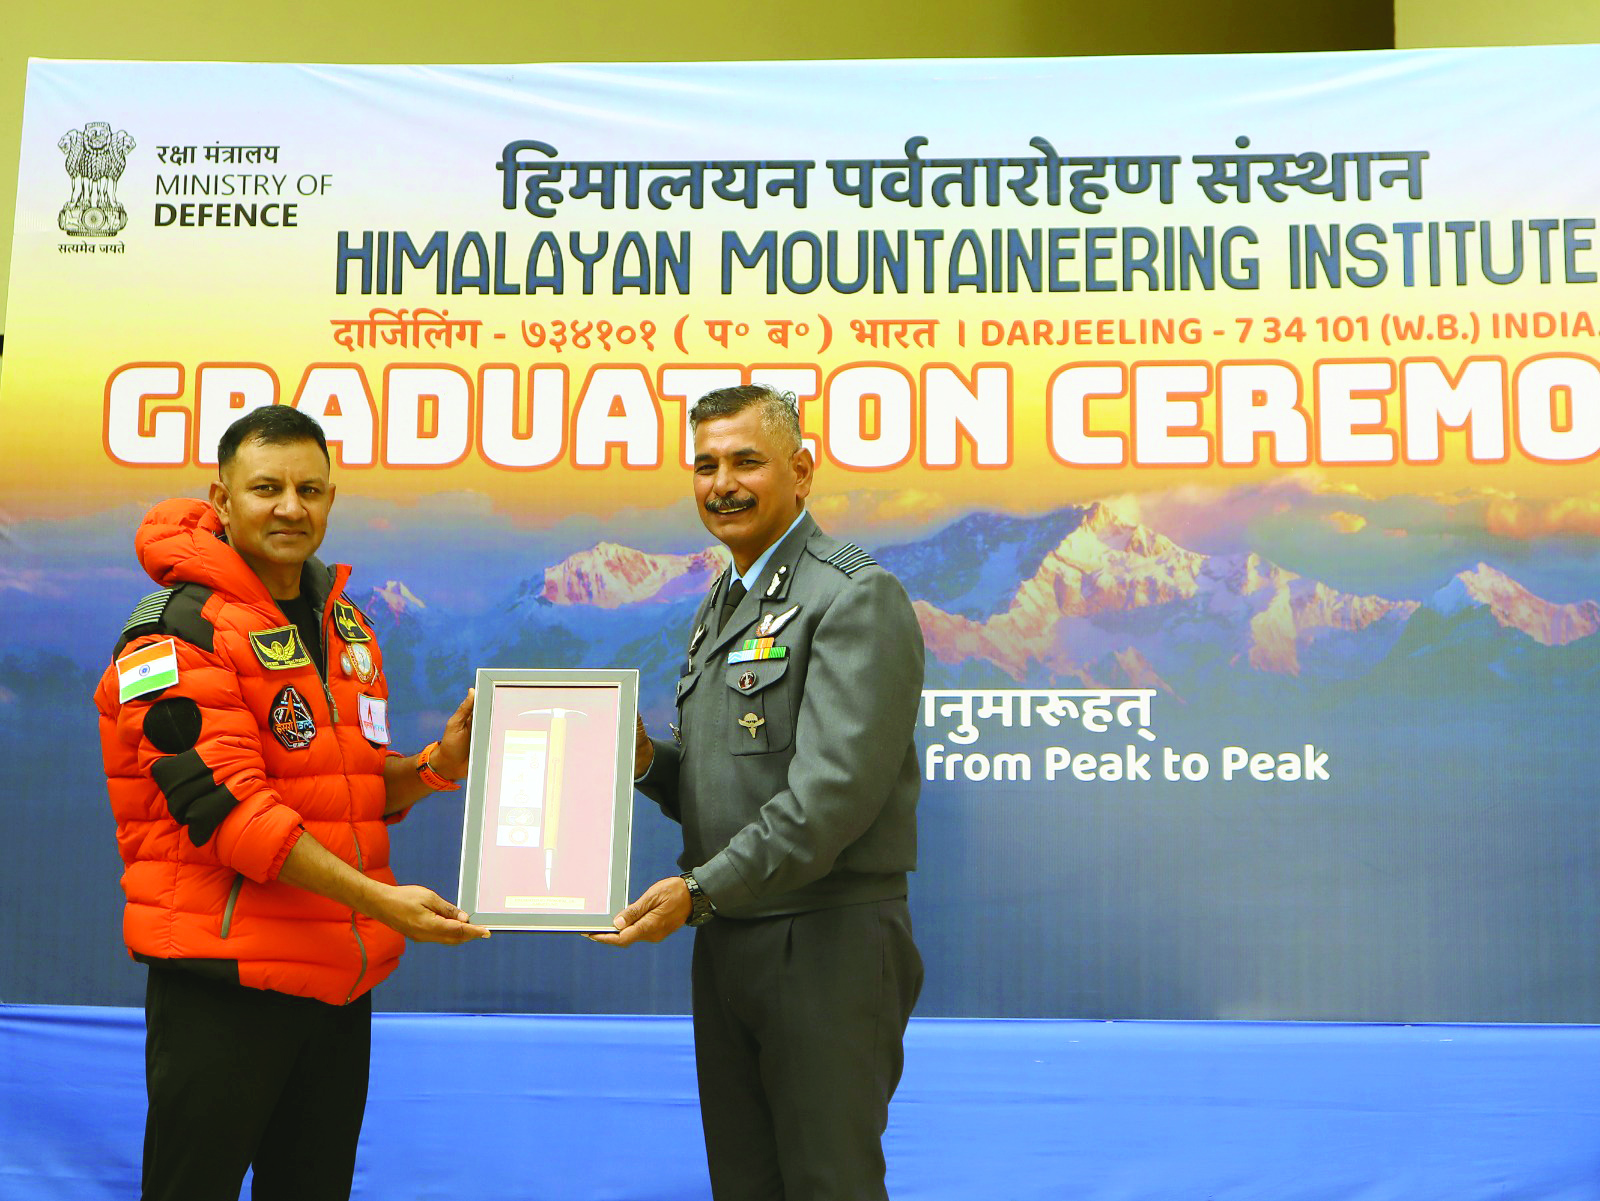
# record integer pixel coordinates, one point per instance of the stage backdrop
(1232, 422)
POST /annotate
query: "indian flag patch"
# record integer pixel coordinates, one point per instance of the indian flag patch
(147, 669)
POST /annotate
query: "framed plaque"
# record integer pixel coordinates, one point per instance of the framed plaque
(549, 806)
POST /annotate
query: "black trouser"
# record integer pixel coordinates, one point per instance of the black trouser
(798, 1030)
(240, 1077)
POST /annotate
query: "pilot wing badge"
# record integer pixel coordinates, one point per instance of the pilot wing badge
(279, 649)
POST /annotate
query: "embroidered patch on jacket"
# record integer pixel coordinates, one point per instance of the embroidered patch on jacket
(348, 625)
(850, 559)
(279, 649)
(373, 713)
(147, 669)
(292, 723)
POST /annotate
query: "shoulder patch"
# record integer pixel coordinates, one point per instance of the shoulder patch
(344, 620)
(365, 617)
(850, 559)
(174, 611)
(148, 669)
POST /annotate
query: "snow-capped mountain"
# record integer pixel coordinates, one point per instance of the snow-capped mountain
(973, 565)
(610, 576)
(1483, 631)
(1514, 607)
(1077, 597)
(391, 601)
(1115, 601)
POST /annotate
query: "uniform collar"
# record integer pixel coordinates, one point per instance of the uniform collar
(769, 584)
(752, 577)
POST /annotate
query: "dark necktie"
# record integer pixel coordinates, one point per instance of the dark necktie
(736, 591)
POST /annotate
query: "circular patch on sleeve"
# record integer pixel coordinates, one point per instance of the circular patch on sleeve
(172, 725)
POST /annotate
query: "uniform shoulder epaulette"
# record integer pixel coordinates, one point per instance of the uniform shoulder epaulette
(850, 558)
(174, 611)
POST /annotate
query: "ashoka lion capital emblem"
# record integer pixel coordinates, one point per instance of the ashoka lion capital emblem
(96, 158)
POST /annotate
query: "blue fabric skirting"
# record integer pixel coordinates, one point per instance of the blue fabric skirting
(523, 1108)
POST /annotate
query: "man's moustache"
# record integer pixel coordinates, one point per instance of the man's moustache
(715, 505)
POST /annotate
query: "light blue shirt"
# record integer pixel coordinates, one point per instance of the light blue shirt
(753, 577)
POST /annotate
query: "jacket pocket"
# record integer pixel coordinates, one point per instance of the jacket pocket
(761, 706)
(686, 683)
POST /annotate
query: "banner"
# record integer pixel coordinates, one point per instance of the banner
(1231, 421)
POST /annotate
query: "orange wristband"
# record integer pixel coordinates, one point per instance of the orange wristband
(430, 777)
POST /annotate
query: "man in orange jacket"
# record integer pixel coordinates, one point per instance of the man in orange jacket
(244, 726)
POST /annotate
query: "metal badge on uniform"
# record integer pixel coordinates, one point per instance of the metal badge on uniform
(771, 623)
(677, 734)
(346, 622)
(360, 663)
(777, 580)
(291, 723)
(752, 722)
(747, 681)
(374, 716)
(280, 648)
(694, 645)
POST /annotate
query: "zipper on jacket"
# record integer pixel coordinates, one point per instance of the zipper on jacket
(327, 689)
(233, 899)
(326, 669)
(334, 590)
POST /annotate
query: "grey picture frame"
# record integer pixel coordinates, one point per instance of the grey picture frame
(527, 723)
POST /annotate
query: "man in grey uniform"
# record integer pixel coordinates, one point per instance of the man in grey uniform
(793, 772)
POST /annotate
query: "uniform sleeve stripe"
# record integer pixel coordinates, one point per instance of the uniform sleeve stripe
(850, 559)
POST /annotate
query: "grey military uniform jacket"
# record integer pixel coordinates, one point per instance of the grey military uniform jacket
(796, 778)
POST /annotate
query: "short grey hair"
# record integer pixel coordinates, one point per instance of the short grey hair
(780, 411)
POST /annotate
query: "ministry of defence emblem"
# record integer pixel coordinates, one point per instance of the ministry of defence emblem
(96, 158)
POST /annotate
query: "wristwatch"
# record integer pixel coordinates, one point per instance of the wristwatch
(700, 910)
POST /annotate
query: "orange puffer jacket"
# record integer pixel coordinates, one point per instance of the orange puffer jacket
(214, 777)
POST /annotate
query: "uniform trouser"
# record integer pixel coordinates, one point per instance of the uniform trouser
(798, 1026)
(240, 1077)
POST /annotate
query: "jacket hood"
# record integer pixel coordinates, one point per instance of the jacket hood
(181, 541)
